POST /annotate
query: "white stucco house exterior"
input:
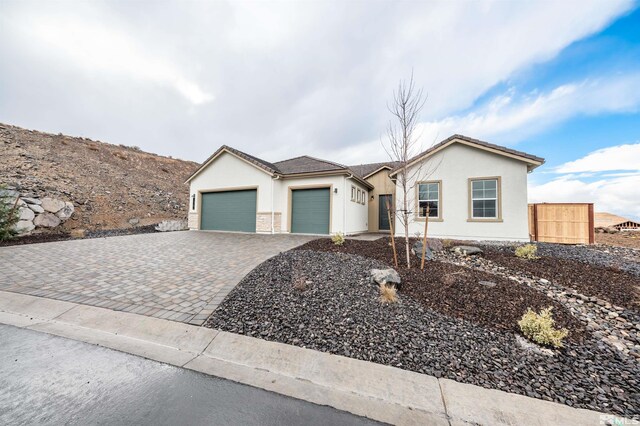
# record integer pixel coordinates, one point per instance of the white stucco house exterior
(234, 191)
(474, 190)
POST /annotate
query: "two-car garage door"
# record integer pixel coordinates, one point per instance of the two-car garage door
(236, 211)
(229, 211)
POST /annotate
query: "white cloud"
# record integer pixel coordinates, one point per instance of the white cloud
(104, 50)
(288, 77)
(608, 177)
(508, 118)
(620, 157)
(619, 195)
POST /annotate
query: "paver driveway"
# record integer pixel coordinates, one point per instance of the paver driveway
(181, 276)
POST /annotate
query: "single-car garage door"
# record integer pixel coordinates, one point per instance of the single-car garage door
(310, 211)
(229, 211)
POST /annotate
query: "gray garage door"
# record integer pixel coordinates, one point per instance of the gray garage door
(310, 211)
(229, 211)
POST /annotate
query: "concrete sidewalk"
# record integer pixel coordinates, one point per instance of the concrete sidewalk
(375, 391)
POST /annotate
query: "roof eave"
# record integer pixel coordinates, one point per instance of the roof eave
(337, 172)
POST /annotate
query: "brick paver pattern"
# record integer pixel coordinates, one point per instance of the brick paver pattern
(179, 276)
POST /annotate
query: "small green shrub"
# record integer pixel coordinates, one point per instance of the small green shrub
(8, 216)
(539, 328)
(338, 239)
(447, 243)
(527, 251)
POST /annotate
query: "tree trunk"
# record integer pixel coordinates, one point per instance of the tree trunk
(405, 213)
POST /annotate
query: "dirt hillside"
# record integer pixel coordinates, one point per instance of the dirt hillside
(111, 186)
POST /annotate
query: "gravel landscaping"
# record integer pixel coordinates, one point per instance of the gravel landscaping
(456, 290)
(618, 258)
(608, 283)
(325, 301)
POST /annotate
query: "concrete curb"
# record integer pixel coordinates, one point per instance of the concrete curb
(379, 392)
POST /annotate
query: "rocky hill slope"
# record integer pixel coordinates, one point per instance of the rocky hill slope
(110, 186)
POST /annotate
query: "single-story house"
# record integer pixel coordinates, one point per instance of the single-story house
(609, 220)
(474, 190)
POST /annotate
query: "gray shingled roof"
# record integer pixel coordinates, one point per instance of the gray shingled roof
(292, 166)
(306, 164)
(364, 170)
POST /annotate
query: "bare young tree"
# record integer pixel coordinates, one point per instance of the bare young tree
(403, 143)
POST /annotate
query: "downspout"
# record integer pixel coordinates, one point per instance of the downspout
(273, 220)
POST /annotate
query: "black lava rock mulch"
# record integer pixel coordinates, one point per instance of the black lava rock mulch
(608, 283)
(35, 238)
(47, 238)
(456, 291)
(325, 301)
(617, 258)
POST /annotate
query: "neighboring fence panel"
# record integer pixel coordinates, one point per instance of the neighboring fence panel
(564, 223)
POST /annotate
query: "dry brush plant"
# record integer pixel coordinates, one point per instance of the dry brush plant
(540, 329)
(388, 294)
(298, 280)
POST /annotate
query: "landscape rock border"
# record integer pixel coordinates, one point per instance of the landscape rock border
(35, 212)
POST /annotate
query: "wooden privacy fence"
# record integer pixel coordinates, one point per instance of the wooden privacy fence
(564, 223)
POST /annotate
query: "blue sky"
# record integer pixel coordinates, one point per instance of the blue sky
(615, 50)
(277, 79)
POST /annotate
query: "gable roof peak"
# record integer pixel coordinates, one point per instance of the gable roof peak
(533, 161)
(255, 161)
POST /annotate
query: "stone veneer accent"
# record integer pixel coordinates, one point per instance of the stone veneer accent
(263, 222)
(194, 219)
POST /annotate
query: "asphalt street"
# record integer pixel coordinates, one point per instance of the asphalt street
(46, 379)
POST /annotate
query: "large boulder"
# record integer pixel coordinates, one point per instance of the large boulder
(24, 226)
(467, 250)
(46, 220)
(9, 193)
(30, 200)
(25, 213)
(37, 208)
(171, 225)
(65, 212)
(385, 276)
(52, 205)
(417, 250)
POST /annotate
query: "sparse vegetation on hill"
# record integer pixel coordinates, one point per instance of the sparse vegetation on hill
(111, 186)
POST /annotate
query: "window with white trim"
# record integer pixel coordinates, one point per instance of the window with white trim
(359, 197)
(364, 197)
(353, 193)
(429, 196)
(484, 198)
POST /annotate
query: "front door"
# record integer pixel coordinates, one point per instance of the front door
(383, 212)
